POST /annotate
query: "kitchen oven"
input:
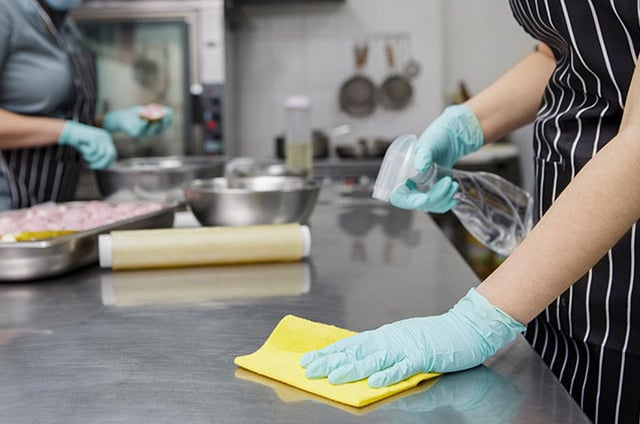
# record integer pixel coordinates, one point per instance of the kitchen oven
(162, 51)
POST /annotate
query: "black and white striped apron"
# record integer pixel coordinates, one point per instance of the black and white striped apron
(51, 173)
(590, 336)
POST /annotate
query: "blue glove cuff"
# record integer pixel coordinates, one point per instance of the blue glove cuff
(465, 126)
(494, 326)
(65, 135)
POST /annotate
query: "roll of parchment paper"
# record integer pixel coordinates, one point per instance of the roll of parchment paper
(179, 247)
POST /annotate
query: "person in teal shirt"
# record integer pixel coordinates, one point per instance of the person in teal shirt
(48, 126)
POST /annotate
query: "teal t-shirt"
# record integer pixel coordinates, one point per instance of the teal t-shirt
(36, 75)
(35, 72)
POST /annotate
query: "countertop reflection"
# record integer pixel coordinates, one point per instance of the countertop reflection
(205, 284)
(158, 346)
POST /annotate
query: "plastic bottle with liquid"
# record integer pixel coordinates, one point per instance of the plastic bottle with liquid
(298, 148)
(495, 211)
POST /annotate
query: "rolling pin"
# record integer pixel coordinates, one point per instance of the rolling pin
(180, 247)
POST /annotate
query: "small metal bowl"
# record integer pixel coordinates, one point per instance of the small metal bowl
(252, 200)
(155, 178)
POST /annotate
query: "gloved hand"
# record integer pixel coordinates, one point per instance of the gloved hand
(439, 199)
(94, 144)
(462, 338)
(455, 133)
(129, 121)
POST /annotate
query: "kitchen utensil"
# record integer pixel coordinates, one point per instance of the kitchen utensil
(380, 147)
(363, 149)
(412, 68)
(396, 90)
(320, 145)
(155, 178)
(346, 152)
(358, 93)
(252, 200)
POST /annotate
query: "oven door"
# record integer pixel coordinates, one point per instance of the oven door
(156, 51)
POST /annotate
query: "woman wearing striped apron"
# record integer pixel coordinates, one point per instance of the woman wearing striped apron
(47, 105)
(572, 280)
(590, 335)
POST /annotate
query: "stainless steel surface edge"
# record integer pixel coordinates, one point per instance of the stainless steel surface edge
(96, 346)
(31, 260)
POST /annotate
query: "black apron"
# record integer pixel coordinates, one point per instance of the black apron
(590, 336)
(41, 174)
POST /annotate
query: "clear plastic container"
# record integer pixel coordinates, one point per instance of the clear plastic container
(298, 149)
(495, 211)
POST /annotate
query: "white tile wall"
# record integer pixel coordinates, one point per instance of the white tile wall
(307, 49)
(282, 50)
(483, 40)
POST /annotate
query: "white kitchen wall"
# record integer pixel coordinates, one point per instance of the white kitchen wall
(283, 50)
(482, 40)
(307, 49)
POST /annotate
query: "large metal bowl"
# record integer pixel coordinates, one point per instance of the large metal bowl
(252, 200)
(155, 178)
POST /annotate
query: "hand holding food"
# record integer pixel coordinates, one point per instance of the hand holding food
(139, 121)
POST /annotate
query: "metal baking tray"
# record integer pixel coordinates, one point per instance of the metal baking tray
(31, 260)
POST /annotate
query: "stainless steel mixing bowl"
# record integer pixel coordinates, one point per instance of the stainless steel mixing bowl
(252, 200)
(155, 178)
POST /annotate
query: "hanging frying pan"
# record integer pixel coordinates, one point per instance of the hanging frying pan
(358, 94)
(396, 90)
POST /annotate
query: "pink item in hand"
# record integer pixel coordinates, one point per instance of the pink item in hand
(153, 112)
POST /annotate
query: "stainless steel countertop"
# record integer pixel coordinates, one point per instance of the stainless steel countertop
(158, 346)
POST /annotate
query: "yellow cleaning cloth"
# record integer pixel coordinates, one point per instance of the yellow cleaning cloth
(279, 358)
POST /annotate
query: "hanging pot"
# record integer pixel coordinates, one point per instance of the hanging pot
(358, 94)
(396, 90)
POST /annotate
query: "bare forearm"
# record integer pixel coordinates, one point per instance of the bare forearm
(586, 220)
(513, 100)
(18, 131)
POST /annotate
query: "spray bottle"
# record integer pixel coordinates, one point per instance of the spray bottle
(495, 211)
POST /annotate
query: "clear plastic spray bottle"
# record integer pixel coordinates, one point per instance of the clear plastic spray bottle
(495, 211)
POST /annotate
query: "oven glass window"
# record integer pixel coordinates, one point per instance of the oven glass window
(139, 63)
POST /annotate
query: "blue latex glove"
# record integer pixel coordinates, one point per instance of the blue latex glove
(455, 133)
(129, 121)
(462, 338)
(94, 144)
(439, 199)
